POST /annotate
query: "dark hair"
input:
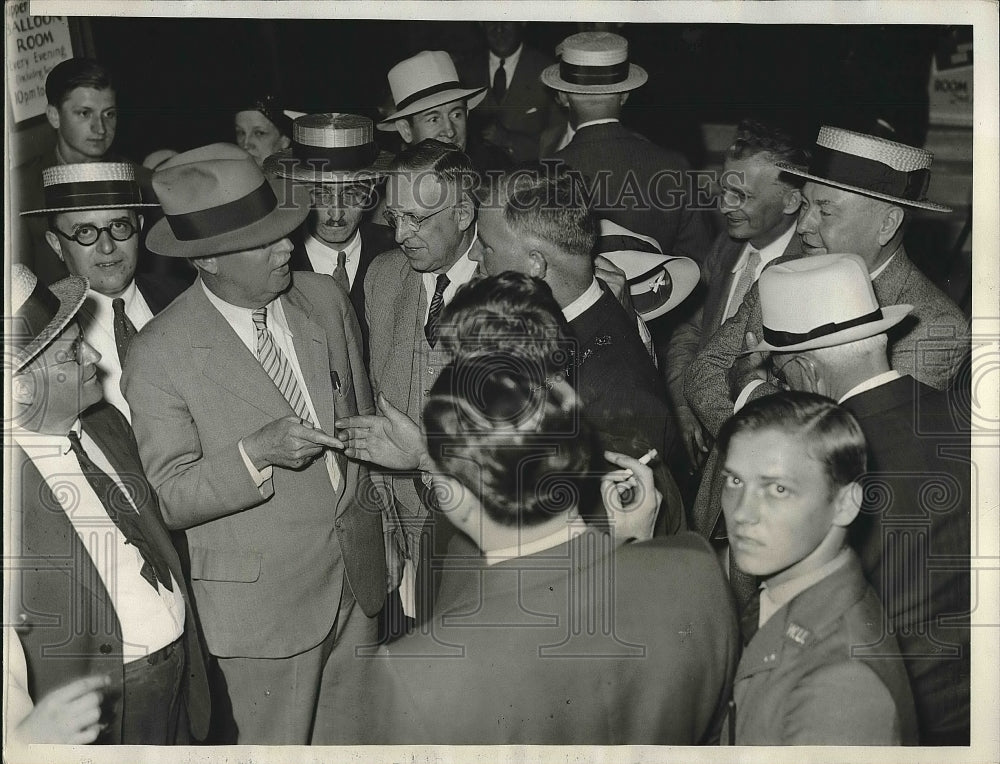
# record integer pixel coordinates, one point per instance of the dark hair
(511, 313)
(271, 106)
(551, 203)
(447, 162)
(833, 436)
(75, 73)
(519, 447)
(753, 137)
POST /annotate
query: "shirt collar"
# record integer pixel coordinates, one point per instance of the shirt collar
(870, 384)
(574, 527)
(773, 598)
(237, 316)
(509, 63)
(878, 271)
(772, 251)
(352, 249)
(101, 304)
(605, 121)
(584, 302)
(463, 268)
(44, 443)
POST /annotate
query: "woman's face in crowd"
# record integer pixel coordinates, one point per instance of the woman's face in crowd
(258, 136)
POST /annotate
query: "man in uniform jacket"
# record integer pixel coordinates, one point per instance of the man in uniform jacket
(108, 642)
(635, 183)
(233, 390)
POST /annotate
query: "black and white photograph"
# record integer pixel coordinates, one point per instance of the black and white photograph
(463, 381)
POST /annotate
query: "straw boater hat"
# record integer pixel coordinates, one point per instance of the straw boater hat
(875, 167)
(216, 200)
(657, 283)
(40, 312)
(330, 148)
(594, 62)
(90, 186)
(821, 301)
(424, 81)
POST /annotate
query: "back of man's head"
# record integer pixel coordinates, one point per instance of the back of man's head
(75, 73)
(776, 142)
(550, 204)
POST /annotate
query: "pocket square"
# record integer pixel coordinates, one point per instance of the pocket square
(532, 110)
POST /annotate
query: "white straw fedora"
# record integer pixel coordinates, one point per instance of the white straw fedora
(876, 167)
(216, 200)
(594, 62)
(821, 301)
(658, 283)
(90, 186)
(330, 148)
(423, 81)
(40, 312)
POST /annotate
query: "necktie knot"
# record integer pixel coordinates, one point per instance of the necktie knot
(118, 306)
(442, 283)
(260, 318)
(341, 259)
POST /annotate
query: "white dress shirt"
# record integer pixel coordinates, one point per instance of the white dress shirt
(509, 65)
(241, 320)
(459, 274)
(97, 320)
(571, 131)
(323, 256)
(150, 619)
(584, 302)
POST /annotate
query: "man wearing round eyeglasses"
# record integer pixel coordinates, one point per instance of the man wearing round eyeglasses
(94, 227)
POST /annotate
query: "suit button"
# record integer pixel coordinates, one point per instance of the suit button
(105, 648)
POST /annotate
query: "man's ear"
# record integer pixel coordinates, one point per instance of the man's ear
(466, 212)
(284, 143)
(538, 266)
(22, 389)
(892, 219)
(622, 98)
(793, 200)
(405, 130)
(562, 99)
(56, 245)
(52, 115)
(847, 504)
(206, 264)
(139, 221)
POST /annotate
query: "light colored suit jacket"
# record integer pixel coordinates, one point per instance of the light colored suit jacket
(267, 565)
(929, 344)
(690, 337)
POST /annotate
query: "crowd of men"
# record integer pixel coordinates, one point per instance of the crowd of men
(392, 455)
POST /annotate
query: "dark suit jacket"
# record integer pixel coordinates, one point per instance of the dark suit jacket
(527, 109)
(821, 671)
(646, 189)
(67, 623)
(375, 239)
(621, 392)
(508, 660)
(266, 569)
(913, 536)
(929, 344)
(693, 334)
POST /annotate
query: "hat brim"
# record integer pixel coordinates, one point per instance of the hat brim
(85, 207)
(284, 165)
(636, 78)
(923, 205)
(280, 222)
(684, 275)
(71, 292)
(472, 97)
(891, 316)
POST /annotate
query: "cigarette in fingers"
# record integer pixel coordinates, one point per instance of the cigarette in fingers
(645, 459)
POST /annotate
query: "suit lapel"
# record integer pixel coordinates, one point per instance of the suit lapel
(313, 356)
(716, 302)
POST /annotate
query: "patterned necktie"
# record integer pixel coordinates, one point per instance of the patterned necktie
(124, 329)
(745, 282)
(280, 370)
(340, 272)
(122, 514)
(434, 314)
(500, 82)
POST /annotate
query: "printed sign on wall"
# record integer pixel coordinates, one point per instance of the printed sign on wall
(35, 44)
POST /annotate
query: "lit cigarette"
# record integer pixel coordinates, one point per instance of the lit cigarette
(645, 459)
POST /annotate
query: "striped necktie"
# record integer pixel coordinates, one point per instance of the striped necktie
(124, 329)
(434, 314)
(745, 282)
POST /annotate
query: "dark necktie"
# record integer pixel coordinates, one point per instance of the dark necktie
(500, 82)
(750, 617)
(434, 314)
(340, 272)
(122, 514)
(124, 329)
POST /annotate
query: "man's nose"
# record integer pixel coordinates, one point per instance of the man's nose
(747, 509)
(105, 244)
(88, 354)
(806, 221)
(97, 125)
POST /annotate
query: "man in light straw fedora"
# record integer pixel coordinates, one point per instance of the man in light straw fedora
(858, 192)
(826, 333)
(637, 184)
(430, 102)
(234, 390)
(336, 157)
(94, 227)
(101, 627)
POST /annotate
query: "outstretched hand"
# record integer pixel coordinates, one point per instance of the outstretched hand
(389, 439)
(287, 442)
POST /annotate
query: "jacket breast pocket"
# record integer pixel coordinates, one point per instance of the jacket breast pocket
(225, 565)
